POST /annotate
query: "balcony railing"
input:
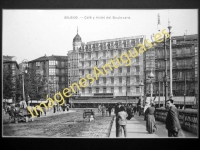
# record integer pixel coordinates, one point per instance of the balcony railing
(187, 118)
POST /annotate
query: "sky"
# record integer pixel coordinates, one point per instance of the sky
(32, 33)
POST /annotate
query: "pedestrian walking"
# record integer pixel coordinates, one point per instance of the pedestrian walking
(121, 121)
(99, 109)
(150, 119)
(145, 108)
(135, 110)
(103, 110)
(129, 112)
(117, 108)
(139, 107)
(172, 122)
(109, 110)
(67, 106)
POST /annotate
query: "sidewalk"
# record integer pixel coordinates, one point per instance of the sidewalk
(136, 128)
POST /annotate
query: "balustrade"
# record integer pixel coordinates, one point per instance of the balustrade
(187, 118)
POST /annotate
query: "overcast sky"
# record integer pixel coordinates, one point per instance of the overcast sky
(30, 34)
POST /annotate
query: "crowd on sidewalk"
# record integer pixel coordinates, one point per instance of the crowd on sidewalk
(126, 112)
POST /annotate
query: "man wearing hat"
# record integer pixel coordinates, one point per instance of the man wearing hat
(117, 109)
(172, 122)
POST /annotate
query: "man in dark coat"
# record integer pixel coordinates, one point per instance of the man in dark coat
(109, 110)
(117, 109)
(172, 122)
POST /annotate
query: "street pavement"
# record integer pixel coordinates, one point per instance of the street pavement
(136, 128)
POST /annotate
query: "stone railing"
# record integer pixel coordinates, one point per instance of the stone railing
(187, 118)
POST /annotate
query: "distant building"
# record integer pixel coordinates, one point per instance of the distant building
(11, 66)
(54, 69)
(185, 64)
(116, 83)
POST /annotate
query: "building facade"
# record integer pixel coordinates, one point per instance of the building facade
(11, 72)
(184, 70)
(54, 70)
(121, 82)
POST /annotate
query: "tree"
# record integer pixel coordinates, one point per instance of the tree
(7, 84)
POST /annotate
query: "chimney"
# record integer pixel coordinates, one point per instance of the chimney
(158, 25)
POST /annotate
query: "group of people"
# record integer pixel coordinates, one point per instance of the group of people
(102, 109)
(126, 112)
(123, 113)
(172, 122)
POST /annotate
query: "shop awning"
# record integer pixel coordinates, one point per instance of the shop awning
(189, 100)
(103, 100)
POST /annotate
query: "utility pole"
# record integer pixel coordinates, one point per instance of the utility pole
(126, 89)
(159, 95)
(166, 84)
(170, 61)
(185, 91)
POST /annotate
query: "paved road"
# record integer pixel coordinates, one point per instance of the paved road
(136, 128)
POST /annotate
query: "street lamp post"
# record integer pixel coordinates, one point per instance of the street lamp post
(24, 70)
(141, 85)
(126, 90)
(166, 84)
(185, 91)
(170, 60)
(151, 76)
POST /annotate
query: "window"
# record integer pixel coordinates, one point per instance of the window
(120, 79)
(90, 90)
(104, 80)
(120, 89)
(97, 90)
(120, 70)
(104, 90)
(97, 82)
(96, 53)
(83, 90)
(52, 72)
(112, 90)
(112, 80)
(104, 53)
(111, 52)
(128, 89)
(52, 62)
(13, 72)
(37, 63)
(137, 89)
(128, 69)
(13, 66)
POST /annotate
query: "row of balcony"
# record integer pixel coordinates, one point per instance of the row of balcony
(107, 48)
(115, 94)
(175, 56)
(117, 74)
(175, 67)
(113, 84)
(176, 79)
(101, 64)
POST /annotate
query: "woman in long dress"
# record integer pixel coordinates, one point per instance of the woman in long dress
(150, 119)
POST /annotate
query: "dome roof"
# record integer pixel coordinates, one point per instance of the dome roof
(77, 38)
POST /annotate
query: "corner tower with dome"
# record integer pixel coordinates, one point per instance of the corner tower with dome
(77, 42)
(73, 61)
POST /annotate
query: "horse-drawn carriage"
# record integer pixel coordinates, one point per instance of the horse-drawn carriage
(18, 113)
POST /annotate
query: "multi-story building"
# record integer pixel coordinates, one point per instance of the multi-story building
(54, 69)
(11, 70)
(184, 71)
(121, 82)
